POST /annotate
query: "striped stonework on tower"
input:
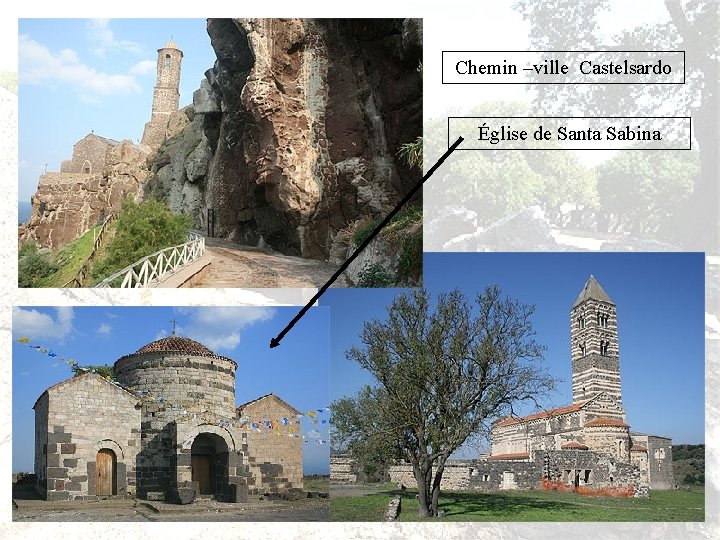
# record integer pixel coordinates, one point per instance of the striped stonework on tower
(594, 337)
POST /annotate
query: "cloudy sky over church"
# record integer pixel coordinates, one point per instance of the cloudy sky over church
(94, 74)
(297, 371)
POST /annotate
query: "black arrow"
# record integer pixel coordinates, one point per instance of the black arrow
(274, 342)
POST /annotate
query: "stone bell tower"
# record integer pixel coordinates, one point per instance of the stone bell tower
(594, 338)
(166, 95)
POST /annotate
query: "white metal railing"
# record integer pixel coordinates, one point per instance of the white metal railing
(158, 265)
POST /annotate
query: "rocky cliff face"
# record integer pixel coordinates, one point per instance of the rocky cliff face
(68, 204)
(292, 136)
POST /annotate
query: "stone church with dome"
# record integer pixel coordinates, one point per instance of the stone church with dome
(167, 428)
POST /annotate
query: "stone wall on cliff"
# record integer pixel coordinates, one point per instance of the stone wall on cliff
(66, 205)
(293, 134)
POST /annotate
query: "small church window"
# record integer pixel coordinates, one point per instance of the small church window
(587, 477)
(604, 347)
(582, 349)
(168, 61)
(486, 477)
(581, 322)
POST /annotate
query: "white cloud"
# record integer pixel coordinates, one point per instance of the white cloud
(33, 324)
(104, 328)
(313, 434)
(40, 66)
(103, 39)
(220, 328)
(143, 67)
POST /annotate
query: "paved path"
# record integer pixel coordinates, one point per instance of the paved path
(234, 265)
(255, 510)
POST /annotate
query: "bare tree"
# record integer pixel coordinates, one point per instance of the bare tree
(443, 374)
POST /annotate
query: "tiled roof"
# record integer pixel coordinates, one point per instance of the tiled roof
(574, 445)
(606, 422)
(551, 412)
(176, 344)
(518, 455)
(592, 289)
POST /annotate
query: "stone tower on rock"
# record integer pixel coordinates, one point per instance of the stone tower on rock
(166, 95)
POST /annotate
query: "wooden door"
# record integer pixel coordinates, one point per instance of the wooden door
(105, 469)
(201, 473)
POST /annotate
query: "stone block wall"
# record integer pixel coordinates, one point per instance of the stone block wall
(193, 383)
(343, 470)
(604, 471)
(456, 476)
(479, 475)
(231, 470)
(660, 465)
(89, 155)
(41, 432)
(274, 457)
(564, 467)
(84, 415)
(505, 474)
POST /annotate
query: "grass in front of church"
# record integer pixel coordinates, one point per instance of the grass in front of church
(365, 508)
(530, 506)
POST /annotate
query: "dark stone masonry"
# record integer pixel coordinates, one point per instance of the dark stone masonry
(178, 437)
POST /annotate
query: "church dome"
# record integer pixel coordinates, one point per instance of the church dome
(176, 344)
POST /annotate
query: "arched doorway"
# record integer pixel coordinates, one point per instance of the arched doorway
(106, 473)
(209, 463)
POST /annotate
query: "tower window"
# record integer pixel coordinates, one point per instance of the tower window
(604, 347)
(582, 349)
(168, 61)
(581, 322)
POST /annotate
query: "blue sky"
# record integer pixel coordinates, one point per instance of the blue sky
(660, 304)
(297, 370)
(79, 75)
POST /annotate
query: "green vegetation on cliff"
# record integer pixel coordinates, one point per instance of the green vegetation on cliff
(44, 268)
(404, 234)
(140, 231)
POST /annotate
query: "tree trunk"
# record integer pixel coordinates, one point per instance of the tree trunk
(436, 485)
(423, 474)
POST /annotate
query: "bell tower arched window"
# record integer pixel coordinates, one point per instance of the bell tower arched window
(168, 61)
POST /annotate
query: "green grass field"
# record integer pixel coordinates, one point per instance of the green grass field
(365, 508)
(530, 506)
(317, 483)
